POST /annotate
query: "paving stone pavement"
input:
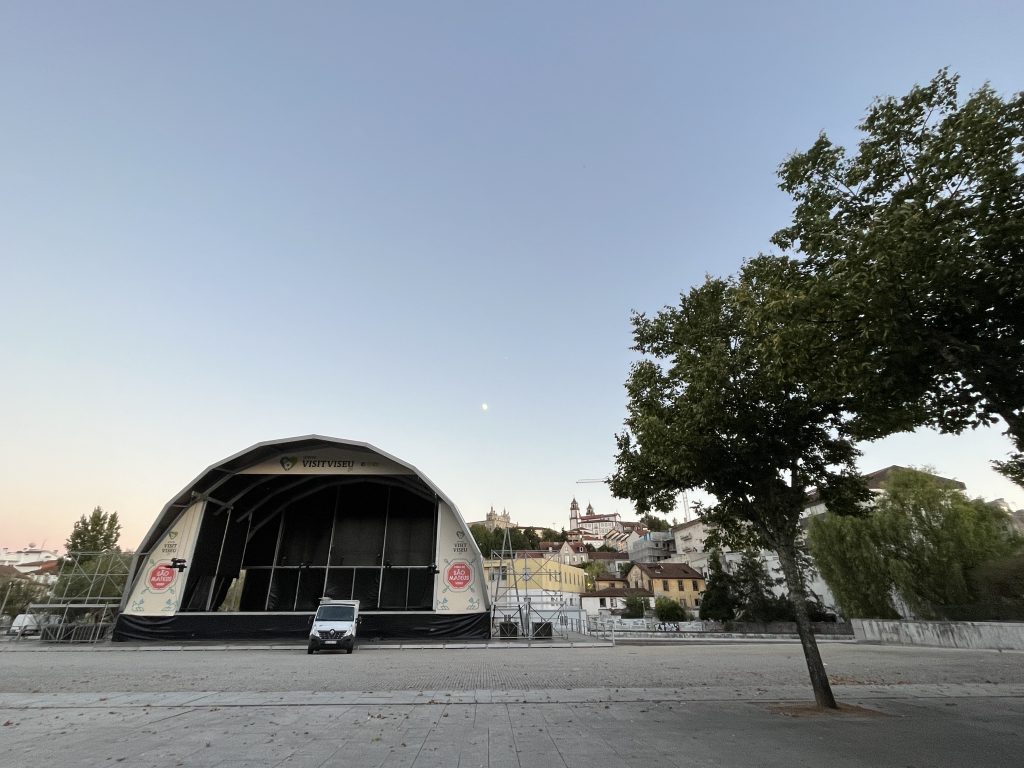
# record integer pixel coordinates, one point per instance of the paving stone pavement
(946, 708)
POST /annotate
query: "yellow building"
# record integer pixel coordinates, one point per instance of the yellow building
(676, 581)
(534, 589)
(533, 571)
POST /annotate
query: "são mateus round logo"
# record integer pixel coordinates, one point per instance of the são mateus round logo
(161, 577)
(458, 575)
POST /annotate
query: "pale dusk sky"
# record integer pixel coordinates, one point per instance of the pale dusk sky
(222, 223)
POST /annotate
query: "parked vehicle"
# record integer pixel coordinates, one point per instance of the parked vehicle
(24, 624)
(334, 626)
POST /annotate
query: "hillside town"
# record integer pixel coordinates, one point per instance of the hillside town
(597, 571)
(626, 561)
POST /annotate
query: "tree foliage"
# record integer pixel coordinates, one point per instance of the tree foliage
(667, 609)
(755, 599)
(592, 569)
(99, 532)
(719, 602)
(922, 542)
(707, 409)
(1000, 584)
(84, 579)
(855, 569)
(655, 523)
(911, 293)
(490, 541)
(635, 607)
(19, 593)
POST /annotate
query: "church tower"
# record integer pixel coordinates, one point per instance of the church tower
(574, 515)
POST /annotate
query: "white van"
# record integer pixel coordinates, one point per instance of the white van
(334, 626)
(24, 624)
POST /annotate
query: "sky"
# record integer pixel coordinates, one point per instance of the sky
(224, 223)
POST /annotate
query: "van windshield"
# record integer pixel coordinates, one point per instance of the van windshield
(335, 613)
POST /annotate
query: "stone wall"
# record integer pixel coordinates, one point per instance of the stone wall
(645, 628)
(943, 634)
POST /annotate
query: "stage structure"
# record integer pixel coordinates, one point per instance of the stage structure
(83, 602)
(249, 547)
(534, 595)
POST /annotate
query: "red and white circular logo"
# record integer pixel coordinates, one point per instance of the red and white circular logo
(458, 575)
(161, 577)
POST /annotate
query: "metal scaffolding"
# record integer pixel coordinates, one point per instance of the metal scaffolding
(84, 600)
(521, 606)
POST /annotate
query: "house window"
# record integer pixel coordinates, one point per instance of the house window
(682, 601)
(664, 585)
(604, 602)
(681, 585)
(695, 587)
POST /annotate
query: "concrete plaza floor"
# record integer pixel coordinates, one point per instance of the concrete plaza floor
(683, 705)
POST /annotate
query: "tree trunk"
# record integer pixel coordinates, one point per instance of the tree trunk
(819, 680)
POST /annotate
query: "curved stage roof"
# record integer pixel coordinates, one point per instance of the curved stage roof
(284, 522)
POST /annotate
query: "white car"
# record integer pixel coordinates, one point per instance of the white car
(24, 624)
(334, 626)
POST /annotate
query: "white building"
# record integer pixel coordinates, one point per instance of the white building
(30, 555)
(595, 525)
(609, 602)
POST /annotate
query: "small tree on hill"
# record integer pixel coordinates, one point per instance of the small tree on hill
(655, 523)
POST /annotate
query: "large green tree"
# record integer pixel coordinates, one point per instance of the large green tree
(923, 541)
(99, 532)
(854, 566)
(706, 410)
(910, 294)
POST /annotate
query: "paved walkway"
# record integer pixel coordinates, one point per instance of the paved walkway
(930, 708)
